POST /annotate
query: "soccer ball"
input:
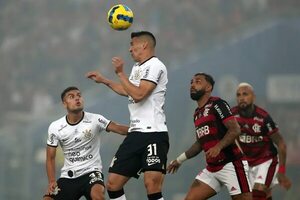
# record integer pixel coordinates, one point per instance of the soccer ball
(120, 17)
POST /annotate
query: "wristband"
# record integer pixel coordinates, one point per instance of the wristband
(181, 158)
(281, 169)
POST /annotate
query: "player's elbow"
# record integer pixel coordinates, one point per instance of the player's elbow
(139, 97)
(282, 147)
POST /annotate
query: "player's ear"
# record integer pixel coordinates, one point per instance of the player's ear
(64, 104)
(145, 44)
(208, 88)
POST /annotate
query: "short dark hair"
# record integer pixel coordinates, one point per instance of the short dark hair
(68, 89)
(144, 33)
(208, 78)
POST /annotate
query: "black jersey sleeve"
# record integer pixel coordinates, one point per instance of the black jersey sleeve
(270, 126)
(222, 109)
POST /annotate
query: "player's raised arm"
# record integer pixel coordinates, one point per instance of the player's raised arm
(99, 78)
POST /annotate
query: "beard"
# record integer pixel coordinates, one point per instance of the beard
(197, 95)
(246, 110)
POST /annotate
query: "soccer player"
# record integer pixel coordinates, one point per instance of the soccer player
(78, 134)
(262, 144)
(216, 132)
(146, 146)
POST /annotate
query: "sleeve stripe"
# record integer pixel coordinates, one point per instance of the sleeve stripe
(107, 126)
(228, 118)
(149, 81)
(52, 145)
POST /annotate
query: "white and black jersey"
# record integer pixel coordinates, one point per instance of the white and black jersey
(80, 143)
(148, 115)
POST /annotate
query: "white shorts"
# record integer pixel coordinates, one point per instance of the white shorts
(265, 173)
(233, 175)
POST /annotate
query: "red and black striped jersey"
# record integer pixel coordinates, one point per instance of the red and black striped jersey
(255, 139)
(210, 129)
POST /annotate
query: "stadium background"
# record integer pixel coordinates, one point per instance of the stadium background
(47, 45)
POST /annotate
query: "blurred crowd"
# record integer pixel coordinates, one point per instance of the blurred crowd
(47, 44)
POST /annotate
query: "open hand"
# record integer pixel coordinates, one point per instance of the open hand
(173, 167)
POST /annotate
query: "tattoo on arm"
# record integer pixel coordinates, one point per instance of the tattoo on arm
(232, 133)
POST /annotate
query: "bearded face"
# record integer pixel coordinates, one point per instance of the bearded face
(197, 94)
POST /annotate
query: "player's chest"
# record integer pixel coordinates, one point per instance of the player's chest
(252, 125)
(136, 75)
(77, 134)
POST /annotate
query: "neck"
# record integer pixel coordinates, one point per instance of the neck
(203, 100)
(73, 117)
(247, 112)
(147, 56)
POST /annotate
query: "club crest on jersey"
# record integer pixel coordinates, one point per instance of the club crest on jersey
(137, 74)
(87, 134)
(256, 128)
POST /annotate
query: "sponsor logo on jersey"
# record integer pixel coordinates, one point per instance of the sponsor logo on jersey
(258, 119)
(250, 139)
(146, 73)
(76, 140)
(233, 189)
(152, 160)
(219, 111)
(51, 138)
(202, 131)
(205, 112)
(81, 158)
(62, 127)
(134, 122)
(113, 161)
(159, 75)
(269, 127)
(102, 122)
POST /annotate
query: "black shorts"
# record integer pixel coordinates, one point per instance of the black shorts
(72, 189)
(141, 152)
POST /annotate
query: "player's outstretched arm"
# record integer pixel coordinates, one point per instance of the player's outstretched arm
(99, 78)
(194, 150)
(283, 180)
(117, 128)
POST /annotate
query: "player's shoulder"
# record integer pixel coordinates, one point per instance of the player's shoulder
(261, 111)
(234, 109)
(91, 116)
(154, 61)
(56, 124)
(217, 100)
